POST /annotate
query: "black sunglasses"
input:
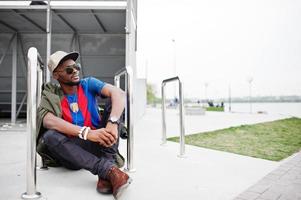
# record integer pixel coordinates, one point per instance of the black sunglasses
(70, 69)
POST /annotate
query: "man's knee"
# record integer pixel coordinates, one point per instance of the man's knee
(53, 138)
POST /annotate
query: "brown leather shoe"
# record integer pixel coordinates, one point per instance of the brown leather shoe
(119, 180)
(104, 186)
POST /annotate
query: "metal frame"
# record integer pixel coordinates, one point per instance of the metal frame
(13, 42)
(23, 53)
(34, 85)
(21, 105)
(49, 9)
(14, 80)
(99, 21)
(77, 39)
(181, 107)
(29, 20)
(128, 73)
(65, 21)
(106, 5)
(46, 77)
(25, 66)
(8, 47)
(8, 26)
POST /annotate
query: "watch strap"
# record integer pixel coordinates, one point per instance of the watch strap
(114, 120)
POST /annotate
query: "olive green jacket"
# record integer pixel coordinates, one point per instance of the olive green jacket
(51, 97)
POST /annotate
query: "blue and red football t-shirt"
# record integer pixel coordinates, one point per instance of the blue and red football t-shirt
(87, 114)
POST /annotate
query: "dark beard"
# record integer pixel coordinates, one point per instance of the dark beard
(72, 83)
(69, 83)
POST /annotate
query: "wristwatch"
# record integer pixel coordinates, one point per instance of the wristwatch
(114, 120)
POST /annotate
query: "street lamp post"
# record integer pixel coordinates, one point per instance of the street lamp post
(174, 63)
(206, 86)
(229, 97)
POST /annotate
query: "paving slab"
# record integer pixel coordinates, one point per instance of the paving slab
(283, 183)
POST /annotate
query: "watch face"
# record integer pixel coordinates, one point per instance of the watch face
(114, 119)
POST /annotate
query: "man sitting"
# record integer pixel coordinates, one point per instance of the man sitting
(76, 135)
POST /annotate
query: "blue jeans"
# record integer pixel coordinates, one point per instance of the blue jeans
(75, 153)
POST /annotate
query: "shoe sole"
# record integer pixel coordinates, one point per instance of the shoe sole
(104, 191)
(122, 188)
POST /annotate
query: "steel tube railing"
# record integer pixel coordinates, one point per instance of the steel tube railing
(14, 80)
(34, 80)
(181, 107)
(128, 73)
(48, 34)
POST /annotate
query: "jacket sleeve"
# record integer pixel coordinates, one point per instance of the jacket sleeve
(49, 103)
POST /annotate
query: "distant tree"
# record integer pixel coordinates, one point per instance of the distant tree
(151, 94)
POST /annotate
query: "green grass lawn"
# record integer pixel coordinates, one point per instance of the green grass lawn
(218, 109)
(271, 140)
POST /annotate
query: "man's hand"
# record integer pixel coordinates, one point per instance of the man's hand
(112, 129)
(102, 137)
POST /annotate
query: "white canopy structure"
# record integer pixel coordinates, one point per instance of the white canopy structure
(104, 32)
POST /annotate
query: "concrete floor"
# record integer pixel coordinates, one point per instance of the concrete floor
(204, 174)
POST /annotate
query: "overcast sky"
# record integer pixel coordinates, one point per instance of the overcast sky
(221, 43)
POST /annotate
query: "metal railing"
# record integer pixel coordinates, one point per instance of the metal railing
(34, 86)
(181, 106)
(128, 73)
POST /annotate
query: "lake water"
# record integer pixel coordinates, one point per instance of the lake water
(291, 109)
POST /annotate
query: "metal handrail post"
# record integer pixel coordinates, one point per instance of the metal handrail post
(128, 73)
(163, 114)
(48, 34)
(182, 122)
(181, 107)
(39, 79)
(32, 74)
